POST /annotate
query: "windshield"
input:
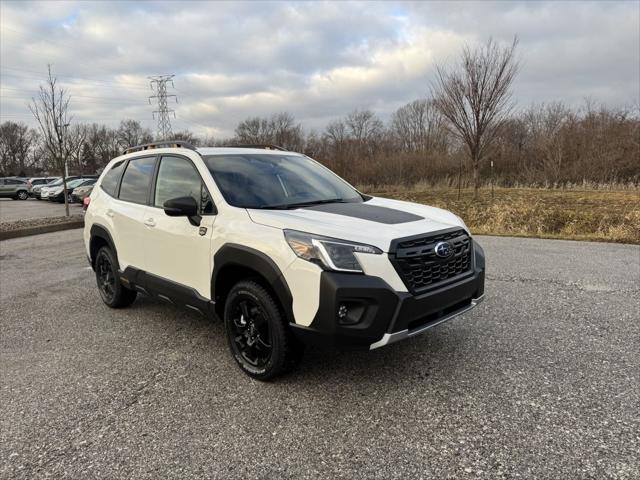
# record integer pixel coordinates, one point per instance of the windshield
(276, 181)
(75, 183)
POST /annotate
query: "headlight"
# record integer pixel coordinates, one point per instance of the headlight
(331, 253)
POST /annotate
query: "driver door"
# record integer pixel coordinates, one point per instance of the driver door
(176, 250)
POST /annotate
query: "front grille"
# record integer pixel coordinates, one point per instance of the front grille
(421, 269)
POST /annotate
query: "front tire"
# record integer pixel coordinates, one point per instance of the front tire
(258, 336)
(22, 195)
(112, 292)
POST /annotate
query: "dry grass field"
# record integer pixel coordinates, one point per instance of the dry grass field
(597, 215)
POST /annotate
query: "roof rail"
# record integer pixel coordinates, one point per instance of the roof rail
(161, 144)
(264, 146)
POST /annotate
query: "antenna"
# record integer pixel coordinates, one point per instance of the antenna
(158, 84)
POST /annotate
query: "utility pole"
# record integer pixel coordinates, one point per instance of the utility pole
(159, 86)
(61, 132)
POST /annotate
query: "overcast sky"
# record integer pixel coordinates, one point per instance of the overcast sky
(316, 60)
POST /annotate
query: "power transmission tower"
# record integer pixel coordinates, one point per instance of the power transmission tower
(159, 85)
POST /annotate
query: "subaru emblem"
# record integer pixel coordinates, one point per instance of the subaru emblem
(443, 249)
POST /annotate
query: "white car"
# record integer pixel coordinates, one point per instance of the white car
(280, 248)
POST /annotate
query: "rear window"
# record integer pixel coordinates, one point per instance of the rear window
(111, 178)
(14, 181)
(136, 180)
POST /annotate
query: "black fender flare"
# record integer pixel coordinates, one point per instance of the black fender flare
(232, 254)
(98, 231)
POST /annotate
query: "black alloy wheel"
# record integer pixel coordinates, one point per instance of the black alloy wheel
(259, 337)
(105, 277)
(250, 331)
(112, 292)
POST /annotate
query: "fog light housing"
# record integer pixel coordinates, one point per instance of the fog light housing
(350, 312)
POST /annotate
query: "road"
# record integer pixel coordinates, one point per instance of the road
(540, 381)
(12, 210)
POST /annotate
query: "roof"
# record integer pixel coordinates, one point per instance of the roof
(237, 150)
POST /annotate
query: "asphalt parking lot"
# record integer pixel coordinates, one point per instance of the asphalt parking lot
(540, 381)
(12, 210)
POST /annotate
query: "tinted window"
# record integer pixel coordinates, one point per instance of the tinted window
(111, 178)
(263, 181)
(14, 181)
(137, 180)
(177, 177)
(74, 183)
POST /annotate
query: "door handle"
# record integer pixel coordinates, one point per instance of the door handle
(149, 222)
(110, 213)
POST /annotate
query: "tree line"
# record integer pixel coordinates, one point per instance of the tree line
(544, 145)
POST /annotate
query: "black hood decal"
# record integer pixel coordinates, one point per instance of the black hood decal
(373, 213)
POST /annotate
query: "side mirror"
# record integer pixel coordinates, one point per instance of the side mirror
(183, 207)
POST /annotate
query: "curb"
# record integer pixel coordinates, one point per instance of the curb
(54, 227)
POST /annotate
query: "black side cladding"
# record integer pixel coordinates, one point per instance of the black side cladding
(373, 213)
(235, 255)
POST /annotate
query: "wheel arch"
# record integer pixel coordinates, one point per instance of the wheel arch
(234, 262)
(100, 237)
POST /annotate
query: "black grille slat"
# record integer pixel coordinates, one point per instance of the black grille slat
(421, 269)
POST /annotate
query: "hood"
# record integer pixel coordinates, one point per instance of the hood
(375, 222)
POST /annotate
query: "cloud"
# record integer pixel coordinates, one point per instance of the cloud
(316, 60)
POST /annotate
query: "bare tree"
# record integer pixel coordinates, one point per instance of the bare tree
(253, 130)
(130, 133)
(100, 146)
(51, 111)
(280, 129)
(189, 137)
(75, 142)
(419, 126)
(285, 132)
(336, 133)
(16, 144)
(475, 97)
(363, 125)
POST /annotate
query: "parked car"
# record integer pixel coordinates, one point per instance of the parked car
(80, 193)
(280, 248)
(15, 188)
(42, 193)
(56, 194)
(35, 181)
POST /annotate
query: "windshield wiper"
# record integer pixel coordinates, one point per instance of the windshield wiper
(291, 206)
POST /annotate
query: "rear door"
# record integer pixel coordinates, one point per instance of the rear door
(175, 249)
(3, 188)
(126, 211)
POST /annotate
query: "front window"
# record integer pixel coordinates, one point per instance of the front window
(177, 177)
(276, 181)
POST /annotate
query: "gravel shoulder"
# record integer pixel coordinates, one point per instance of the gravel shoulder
(540, 381)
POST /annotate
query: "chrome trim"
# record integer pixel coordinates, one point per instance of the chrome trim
(388, 338)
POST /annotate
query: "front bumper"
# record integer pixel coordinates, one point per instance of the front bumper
(56, 198)
(377, 315)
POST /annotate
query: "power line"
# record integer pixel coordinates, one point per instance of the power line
(74, 79)
(159, 85)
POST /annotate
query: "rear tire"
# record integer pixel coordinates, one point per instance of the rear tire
(259, 337)
(112, 292)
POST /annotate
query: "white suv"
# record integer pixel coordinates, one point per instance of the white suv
(280, 248)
